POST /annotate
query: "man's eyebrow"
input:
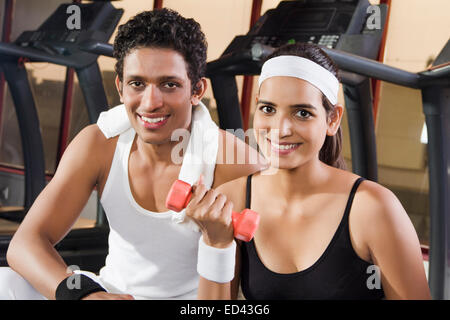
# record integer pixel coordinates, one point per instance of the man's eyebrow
(161, 78)
(170, 78)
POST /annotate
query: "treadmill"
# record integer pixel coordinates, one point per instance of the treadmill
(333, 24)
(55, 43)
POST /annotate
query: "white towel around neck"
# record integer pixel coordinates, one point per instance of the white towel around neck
(201, 152)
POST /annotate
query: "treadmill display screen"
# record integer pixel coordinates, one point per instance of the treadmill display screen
(307, 19)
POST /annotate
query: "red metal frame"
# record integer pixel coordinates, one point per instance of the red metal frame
(6, 37)
(64, 125)
(425, 252)
(376, 84)
(247, 86)
(157, 4)
(65, 114)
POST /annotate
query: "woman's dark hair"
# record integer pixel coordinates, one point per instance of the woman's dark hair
(330, 153)
(163, 28)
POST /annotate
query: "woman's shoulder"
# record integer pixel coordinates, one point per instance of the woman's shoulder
(377, 197)
(378, 212)
(374, 195)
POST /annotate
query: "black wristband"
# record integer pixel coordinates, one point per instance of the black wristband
(81, 287)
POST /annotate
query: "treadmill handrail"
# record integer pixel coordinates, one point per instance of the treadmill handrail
(97, 47)
(14, 50)
(373, 69)
(345, 61)
(348, 62)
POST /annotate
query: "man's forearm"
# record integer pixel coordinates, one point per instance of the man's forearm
(35, 259)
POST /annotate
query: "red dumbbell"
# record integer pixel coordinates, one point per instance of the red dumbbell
(244, 223)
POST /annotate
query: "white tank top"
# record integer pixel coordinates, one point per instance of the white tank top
(150, 255)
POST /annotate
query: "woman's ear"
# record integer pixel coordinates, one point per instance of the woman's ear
(199, 91)
(119, 87)
(334, 119)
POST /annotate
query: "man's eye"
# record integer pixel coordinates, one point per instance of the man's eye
(267, 109)
(136, 84)
(170, 85)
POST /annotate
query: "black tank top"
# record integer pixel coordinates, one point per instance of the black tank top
(338, 274)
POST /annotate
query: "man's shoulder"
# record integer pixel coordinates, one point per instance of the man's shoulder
(92, 134)
(92, 142)
(235, 158)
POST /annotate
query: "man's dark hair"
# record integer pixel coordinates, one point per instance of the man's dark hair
(163, 28)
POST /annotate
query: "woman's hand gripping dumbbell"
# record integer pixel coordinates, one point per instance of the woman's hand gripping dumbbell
(206, 206)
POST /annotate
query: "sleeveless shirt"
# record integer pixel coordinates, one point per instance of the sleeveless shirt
(150, 256)
(153, 255)
(339, 274)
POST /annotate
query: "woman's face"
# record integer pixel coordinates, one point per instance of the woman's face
(290, 121)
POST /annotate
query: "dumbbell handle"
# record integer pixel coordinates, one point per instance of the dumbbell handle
(245, 223)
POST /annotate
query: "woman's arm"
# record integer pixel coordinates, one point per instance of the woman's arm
(393, 244)
(234, 287)
(234, 191)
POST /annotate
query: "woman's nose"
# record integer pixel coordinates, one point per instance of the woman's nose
(285, 127)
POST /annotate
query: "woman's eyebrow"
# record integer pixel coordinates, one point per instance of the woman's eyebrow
(266, 102)
(303, 106)
(294, 106)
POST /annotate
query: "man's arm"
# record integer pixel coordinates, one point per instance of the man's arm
(31, 252)
(235, 159)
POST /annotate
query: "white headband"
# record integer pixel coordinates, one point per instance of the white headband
(302, 68)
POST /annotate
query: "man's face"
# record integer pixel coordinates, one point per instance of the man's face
(156, 91)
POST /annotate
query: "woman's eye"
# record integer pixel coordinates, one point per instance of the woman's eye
(267, 109)
(303, 114)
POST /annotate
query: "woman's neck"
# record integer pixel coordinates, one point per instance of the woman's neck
(298, 182)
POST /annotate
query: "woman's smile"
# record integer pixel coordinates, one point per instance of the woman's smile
(283, 148)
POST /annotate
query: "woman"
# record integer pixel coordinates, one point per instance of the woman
(325, 233)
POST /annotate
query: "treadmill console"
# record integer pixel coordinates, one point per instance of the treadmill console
(335, 24)
(97, 22)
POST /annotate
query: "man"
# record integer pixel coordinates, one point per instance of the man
(161, 60)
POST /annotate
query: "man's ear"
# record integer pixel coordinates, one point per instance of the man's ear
(119, 87)
(199, 91)
(334, 119)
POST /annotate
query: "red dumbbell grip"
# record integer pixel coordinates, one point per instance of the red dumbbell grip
(244, 223)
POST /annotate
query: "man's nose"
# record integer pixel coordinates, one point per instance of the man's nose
(152, 98)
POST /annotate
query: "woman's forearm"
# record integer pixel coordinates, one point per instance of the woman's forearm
(209, 290)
